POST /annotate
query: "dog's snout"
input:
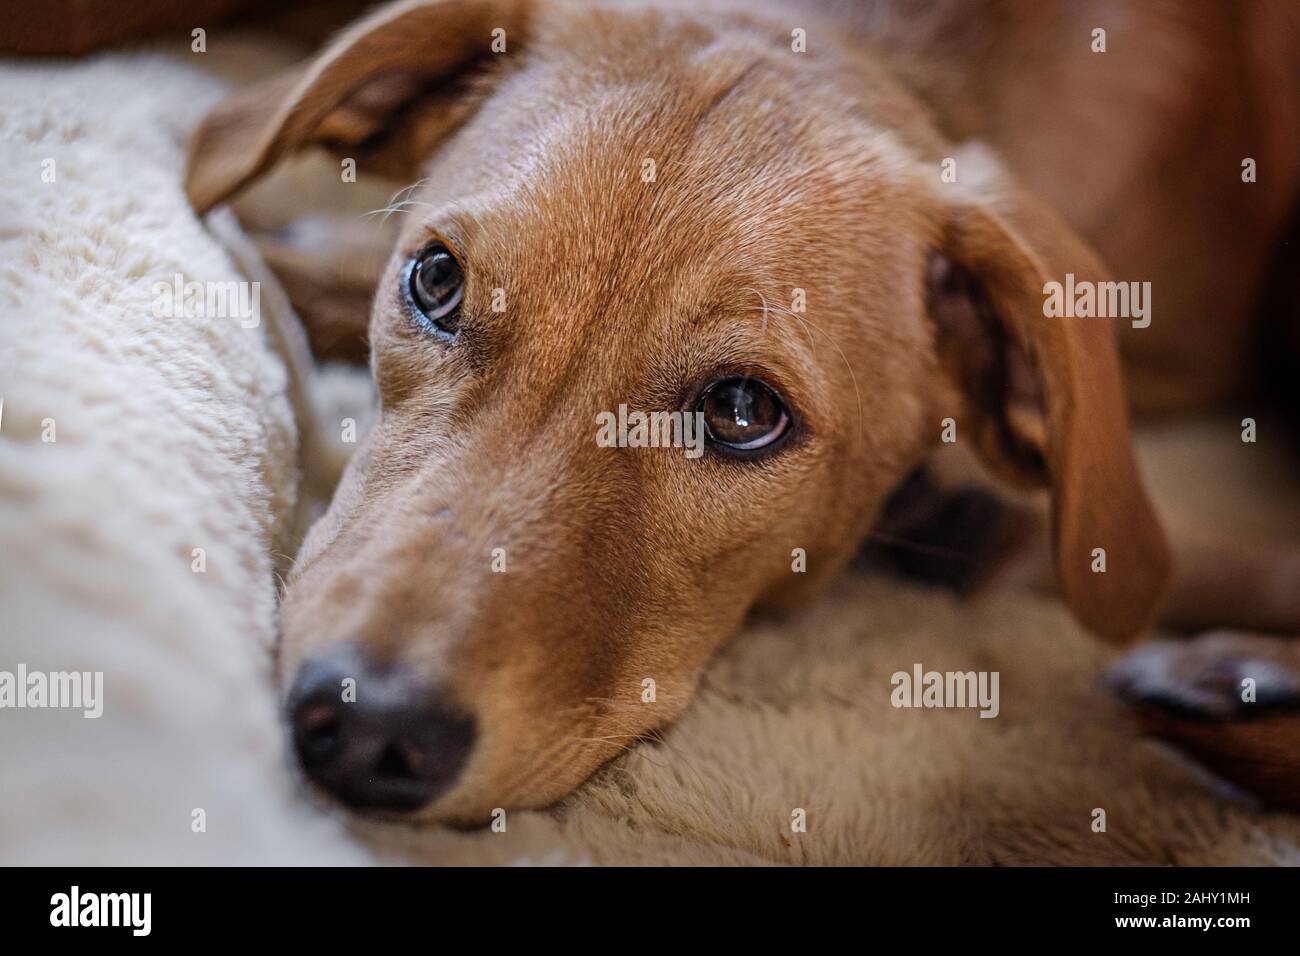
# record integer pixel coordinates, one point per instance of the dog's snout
(376, 739)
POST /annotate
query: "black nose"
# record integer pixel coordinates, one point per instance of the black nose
(376, 739)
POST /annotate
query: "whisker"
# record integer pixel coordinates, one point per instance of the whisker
(782, 310)
(857, 392)
(397, 203)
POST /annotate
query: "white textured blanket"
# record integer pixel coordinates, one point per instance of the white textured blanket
(147, 467)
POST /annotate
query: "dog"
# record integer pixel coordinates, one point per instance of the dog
(826, 229)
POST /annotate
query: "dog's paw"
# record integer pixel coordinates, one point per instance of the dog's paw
(1230, 701)
(1220, 675)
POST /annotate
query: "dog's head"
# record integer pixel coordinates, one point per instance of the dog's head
(648, 209)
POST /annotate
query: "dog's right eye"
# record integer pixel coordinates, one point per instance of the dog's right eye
(743, 415)
(436, 285)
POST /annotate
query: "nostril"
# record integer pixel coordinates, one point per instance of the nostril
(316, 727)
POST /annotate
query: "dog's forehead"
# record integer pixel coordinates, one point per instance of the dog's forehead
(690, 114)
(702, 164)
(658, 211)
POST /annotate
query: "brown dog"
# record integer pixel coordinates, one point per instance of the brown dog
(764, 214)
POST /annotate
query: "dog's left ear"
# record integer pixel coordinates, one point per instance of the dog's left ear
(1044, 400)
(385, 92)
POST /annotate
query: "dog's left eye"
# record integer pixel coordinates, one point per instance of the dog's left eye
(743, 414)
(437, 285)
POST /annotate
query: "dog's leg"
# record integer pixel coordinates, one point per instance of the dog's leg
(1222, 581)
(1218, 581)
(1230, 700)
(330, 266)
(1193, 692)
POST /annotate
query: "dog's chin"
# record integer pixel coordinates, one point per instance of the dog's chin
(434, 814)
(463, 810)
(457, 810)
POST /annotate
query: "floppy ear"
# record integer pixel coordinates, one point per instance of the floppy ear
(387, 90)
(1044, 399)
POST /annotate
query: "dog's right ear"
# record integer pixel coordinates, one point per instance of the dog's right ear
(1043, 397)
(386, 92)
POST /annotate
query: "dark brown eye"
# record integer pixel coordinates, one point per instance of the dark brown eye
(743, 414)
(437, 285)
